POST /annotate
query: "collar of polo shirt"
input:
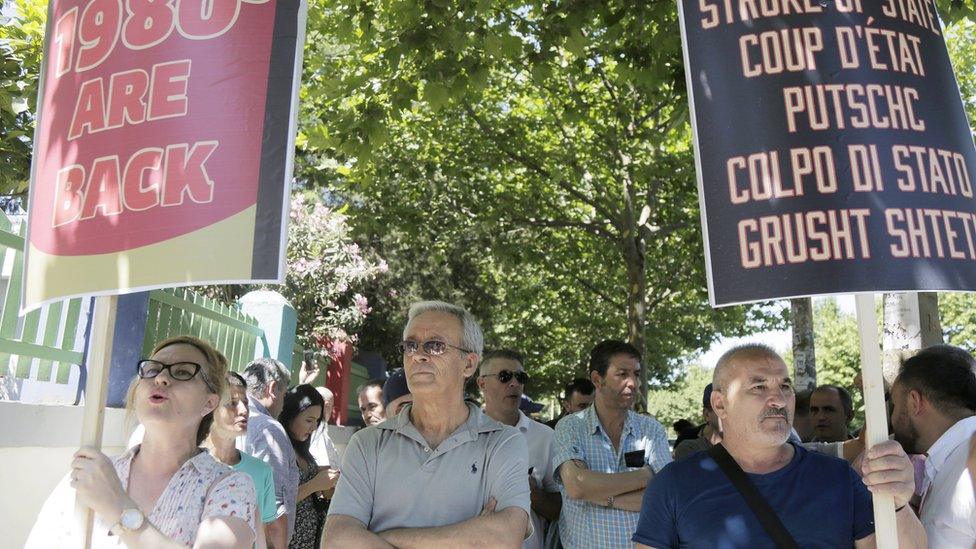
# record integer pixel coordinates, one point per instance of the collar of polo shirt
(477, 423)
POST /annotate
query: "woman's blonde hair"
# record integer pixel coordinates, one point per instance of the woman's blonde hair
(213, 373)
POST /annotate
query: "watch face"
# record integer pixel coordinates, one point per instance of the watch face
(131, 519)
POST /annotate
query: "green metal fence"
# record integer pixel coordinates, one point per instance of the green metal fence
(44, 344)
(181, 311)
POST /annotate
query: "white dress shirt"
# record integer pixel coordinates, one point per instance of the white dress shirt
(323, 449)
(948, 503)
(539, 437)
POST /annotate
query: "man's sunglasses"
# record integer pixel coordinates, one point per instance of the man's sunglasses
(505, 376)
(432, 347)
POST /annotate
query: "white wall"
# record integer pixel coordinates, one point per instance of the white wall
(36, 445)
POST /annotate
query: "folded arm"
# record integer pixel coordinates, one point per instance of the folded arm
(505, 528)
(583, 484)
(346, 531)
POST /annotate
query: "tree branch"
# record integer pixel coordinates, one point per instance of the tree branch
(531, 164)
(591, 228)
(600, 293)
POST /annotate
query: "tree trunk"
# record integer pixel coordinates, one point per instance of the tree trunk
(911, 323)
(634, 254)
(804, 357)
(928, 313)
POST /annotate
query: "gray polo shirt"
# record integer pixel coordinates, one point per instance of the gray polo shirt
(391, 478)
(268, 441)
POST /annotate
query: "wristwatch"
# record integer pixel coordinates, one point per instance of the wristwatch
(130, 521)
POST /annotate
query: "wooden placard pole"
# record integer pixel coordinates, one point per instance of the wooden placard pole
(99, 355)
(876, 413)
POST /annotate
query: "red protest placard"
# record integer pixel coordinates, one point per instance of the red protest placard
(163, 145)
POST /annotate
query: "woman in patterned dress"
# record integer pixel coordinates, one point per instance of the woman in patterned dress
(300, 417)
(167, 491)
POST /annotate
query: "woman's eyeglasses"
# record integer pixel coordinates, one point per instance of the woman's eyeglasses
(180, 371)
(432, 347)
(505, 376)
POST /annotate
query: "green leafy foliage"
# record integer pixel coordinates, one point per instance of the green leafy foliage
(958, 318)
(958, 310)
(327, 274)
(21, 43)
(838, 350)
(683, 400)
(955, 10)
(961, 43)
(537, 154)
(838, 347)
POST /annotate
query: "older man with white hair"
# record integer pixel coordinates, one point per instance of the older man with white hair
(440, 473)
(267, 381)
(321, 446)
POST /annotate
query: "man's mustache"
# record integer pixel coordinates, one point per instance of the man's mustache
(775, 412)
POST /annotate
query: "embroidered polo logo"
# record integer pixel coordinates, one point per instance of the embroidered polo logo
(474, 468)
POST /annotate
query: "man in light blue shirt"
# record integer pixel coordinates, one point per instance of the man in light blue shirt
(605, 455)
(267, 381)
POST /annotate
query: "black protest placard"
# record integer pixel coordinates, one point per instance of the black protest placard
(833, 152)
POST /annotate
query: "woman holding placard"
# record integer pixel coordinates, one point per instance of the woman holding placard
(167, 491)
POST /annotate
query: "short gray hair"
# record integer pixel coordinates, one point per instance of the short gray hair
(261, 372)
(720, 375)
(471, 337)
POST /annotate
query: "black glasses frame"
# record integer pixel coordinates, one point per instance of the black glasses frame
(431, 347)
(505, 376)
(167, 367)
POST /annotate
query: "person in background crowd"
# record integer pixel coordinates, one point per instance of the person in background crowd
(267, 381)
(820, 500)
(708, 434)
(502, 379)
(322, 448)
(230, 422)
(396, 393)
(441, 473)
(934, 398)
(802, 422)
(577, 396)
(831, 412)
(530, 407)
(605, 454)
(684, 429)
(167, 491)
(300, 416)
(370, 397)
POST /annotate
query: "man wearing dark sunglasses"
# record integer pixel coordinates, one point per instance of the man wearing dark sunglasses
(502, 380)
(441, 472)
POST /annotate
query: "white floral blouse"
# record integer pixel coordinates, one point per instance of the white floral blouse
(201, 488)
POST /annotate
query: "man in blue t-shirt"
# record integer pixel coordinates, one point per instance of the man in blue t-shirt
(819, 499)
